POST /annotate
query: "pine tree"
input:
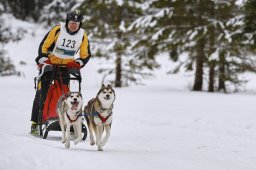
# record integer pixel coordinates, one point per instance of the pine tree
(249, 26)
(208, 31)
(6, 67)
(23, 9)
(234, 58)
(7, 34)
(56, 11)
(108, 22)
(176, 27)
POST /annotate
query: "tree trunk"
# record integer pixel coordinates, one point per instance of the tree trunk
(118, 81)
(211, 62)
(222, 72)
(118, 48)
(198, 83)
(211, 76)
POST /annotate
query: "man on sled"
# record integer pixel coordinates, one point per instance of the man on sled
(59, 47)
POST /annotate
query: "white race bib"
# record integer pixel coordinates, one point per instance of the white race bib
(67, 45)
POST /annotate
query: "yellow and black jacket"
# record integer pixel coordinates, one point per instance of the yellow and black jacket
(48, 43)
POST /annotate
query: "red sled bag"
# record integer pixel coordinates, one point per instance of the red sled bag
(53, 95)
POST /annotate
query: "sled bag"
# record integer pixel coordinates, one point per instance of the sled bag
(53, 95)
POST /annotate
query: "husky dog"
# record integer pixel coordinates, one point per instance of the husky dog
(69, 109)
(98, 114)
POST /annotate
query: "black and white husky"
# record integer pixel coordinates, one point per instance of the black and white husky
(69, 109)
(98, 114)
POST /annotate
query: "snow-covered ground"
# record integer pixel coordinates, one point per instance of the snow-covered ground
(153, 128)
(161, 125)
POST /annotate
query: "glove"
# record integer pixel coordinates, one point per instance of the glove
(44, 60)
(48, 62)
(73, 65)
(80, 62)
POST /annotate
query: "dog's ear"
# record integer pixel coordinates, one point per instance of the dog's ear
(109, 86)
(66, 95)
(80, 94)
(102, 86)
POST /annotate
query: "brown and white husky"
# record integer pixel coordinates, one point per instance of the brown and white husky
(98, 114)
(69, 109)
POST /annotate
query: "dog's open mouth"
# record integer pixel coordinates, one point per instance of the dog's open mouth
(74, 105)
(107, 98)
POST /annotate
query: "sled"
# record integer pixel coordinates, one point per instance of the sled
(48, 119)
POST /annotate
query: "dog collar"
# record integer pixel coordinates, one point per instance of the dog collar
(102, 109)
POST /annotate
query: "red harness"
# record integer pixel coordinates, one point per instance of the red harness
(71, 119)
(89, 110)
(104, 119)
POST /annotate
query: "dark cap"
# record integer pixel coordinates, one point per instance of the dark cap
(75, 16)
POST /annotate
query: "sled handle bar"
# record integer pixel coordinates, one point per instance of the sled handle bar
(51, 68)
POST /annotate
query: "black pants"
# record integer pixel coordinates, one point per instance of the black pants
(46, 81)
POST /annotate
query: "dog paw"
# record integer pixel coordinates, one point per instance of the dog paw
(92, 143)
(67, 145)
(76, 141)
(98, 143)
(103, 143)
(100, 148)
(63, 140)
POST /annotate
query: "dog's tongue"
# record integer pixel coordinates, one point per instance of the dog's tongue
(74, 105)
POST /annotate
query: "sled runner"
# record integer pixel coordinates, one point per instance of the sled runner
(48, 119)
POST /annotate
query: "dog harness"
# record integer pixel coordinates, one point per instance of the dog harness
(75, 118)
(104, 119)
(90, 110)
